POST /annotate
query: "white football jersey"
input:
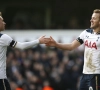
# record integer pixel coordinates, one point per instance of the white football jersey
(5, 41)
(91, 42)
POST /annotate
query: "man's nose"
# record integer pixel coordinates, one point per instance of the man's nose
(91, 20)
(4, 23)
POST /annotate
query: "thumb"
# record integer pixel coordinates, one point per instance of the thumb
(51, 38)
(43, 35)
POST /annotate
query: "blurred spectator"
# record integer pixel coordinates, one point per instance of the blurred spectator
(18, 24)
(39, 70)
(46, 86)
(73, 23)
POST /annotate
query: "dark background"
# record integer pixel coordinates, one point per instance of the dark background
(48, 14)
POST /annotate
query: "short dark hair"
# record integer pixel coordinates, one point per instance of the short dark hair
(96, 11)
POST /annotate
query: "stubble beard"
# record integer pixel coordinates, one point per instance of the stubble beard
(95, 27)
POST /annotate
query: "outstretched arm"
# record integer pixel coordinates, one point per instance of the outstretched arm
(69, 46)
(26, 45)
(64, 46)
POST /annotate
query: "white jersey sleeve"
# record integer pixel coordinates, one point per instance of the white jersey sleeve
(26, 45)
(81, 37)
(6, 40)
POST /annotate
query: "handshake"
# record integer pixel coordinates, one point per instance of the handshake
(47, 41)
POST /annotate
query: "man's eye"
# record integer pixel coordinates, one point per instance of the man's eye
(93, 18)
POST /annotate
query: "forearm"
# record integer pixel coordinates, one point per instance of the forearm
(69, 46)
(64, 46)
(26, 45)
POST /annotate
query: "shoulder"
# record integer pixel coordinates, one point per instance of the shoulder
(5, 37)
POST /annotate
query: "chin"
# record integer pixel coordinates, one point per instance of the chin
(92, 27)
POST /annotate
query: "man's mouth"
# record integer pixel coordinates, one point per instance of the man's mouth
(91, 23)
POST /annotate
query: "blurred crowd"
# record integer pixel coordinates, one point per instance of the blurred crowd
(27, 20)
(44, 68)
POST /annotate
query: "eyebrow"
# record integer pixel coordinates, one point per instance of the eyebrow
(93, 17)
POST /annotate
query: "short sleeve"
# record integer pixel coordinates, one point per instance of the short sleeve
(81, 37)
(7, 40)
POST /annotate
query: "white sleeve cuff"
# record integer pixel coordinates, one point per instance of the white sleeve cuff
(37, 41)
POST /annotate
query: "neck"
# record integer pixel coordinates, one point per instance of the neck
(96, 30)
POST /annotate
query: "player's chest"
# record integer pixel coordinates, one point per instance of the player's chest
(92, 41)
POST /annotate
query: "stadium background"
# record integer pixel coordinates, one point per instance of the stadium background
(45, 68)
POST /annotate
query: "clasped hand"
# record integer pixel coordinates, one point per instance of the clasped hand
(47, 41)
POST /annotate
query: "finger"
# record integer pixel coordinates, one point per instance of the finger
(47, 39)
(43, 36)
(51, 38)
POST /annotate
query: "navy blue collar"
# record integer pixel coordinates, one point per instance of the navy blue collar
(1, 34)
(91, 31)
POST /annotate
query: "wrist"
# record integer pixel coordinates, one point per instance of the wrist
(37, 41)
(56, 44)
